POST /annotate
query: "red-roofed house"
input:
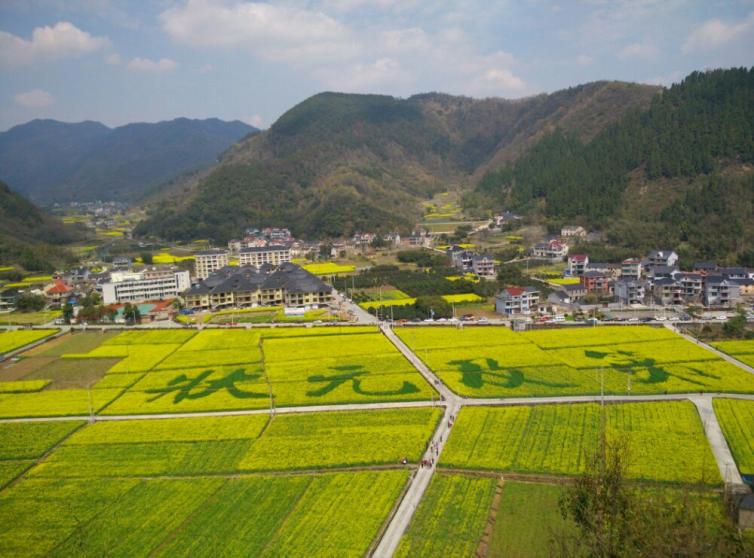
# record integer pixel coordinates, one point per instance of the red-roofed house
(516, 300)
(57, 291)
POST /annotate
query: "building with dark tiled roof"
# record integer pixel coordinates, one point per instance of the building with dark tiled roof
(244, 286)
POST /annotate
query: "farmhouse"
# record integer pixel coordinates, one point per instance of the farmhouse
(577, 264)
(245, 286)
(573, 231)
(516, 300)
(631, 268)
(553, 250)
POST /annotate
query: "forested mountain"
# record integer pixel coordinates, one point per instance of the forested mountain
(52, 161)
(677, 174)
(337, 163)
(30, 237)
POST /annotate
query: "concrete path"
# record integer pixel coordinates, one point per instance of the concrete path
(725, 462)
(418, 485)
(423, 369)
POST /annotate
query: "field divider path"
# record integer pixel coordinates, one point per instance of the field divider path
(417, 485)
(710, 348)
(423, 369)
(720, 449)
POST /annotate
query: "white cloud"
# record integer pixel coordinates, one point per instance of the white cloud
(497, 82)
(154, 66)
(62, 40)
(412, 39)
(270, 31)
(639, 51)
(36, 98)
(113, 59)
(584, 60)
(716, 33)
(206, 68)
(365, 78)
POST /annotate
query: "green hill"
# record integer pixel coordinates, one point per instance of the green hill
(31, 238)
(337, 163)
(678, 174)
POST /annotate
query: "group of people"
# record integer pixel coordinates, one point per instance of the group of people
(428, 463)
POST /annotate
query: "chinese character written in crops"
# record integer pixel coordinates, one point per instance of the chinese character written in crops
(185, 387)
(352, 374)
(475, 375)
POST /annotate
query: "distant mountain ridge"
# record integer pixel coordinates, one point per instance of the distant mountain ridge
(337, 163)
(51, 161)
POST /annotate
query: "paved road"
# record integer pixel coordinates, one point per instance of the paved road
(418, 485)
(725, 462)
(362, 316)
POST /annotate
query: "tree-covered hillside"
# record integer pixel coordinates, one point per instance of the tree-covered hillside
(338, 163)
(30, 237)
(685, 162)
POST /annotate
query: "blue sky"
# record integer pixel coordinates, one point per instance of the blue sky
(149, 60)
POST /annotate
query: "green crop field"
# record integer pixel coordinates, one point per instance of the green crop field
(496, 362)
(451, 518)
(12, 340)
(666, 440)
(527, 519)
(235, 444)
(740, 350)
(736, 418)
(255, 516)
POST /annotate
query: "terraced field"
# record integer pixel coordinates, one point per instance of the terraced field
(634, 360)
(666, 440)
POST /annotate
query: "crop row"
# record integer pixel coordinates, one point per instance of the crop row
(14, 339)
(737, 422)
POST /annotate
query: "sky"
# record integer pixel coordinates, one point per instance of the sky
(149, 60)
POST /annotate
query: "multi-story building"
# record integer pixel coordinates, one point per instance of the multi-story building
(516, 300)
(482, 265)
(631, 268)
(691, 285)
(243, 286)
(209, 261)
(577, 264)
(666, 258)
(553, 250)
(719, 291)
(630, 291)
(272, 254)
(152, 284)
(596, 282)
(667, 290)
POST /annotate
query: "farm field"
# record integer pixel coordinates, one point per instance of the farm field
(29, 318)
(329, 268)
(666, 440)
(451, 518)
(740, 350)
(12, 340)
(736, 418)
(242, 444)
(166, 371)
(527, 518)
(635, 360)
(259, 516)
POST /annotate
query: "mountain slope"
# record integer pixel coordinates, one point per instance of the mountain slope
(337, 163)
(27, 234)
(677, 174)
(54, 161)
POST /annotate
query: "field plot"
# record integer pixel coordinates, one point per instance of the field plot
(666, 440)
(253, 369)
(329, 268)
(451, 517)
(237, 444)
(496, 362)
(740, 350)
(255, 516)
(736, 418)
(527, 519)
(12, 340)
